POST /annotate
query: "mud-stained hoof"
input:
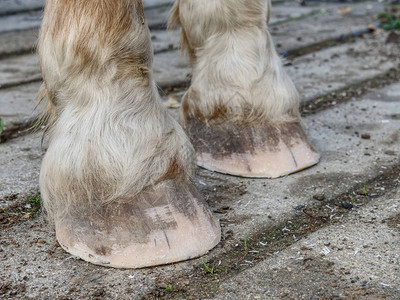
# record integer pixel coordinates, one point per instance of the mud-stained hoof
(163, 224)
(247, 150)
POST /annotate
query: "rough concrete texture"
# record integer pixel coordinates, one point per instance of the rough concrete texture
(18, 105)
(20, 163)
(328, 232)
(338, 261)
(14, 70)
(24, 20)
(23, 42)
(12, 6)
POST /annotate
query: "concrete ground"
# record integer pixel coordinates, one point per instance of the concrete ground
(331, 231)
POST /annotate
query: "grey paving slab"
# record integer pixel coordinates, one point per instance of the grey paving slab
(19, 168)
(171, 68)
(163, 40)
(19, 69)
(329, 24)
(26, 20)
(17, 105)
(247, 205)
(337, 67)
(157, 17)
(17, 43)
(291, 10)
(356, 258)
(15, 6)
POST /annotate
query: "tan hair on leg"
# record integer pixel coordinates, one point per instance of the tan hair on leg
(116, 178)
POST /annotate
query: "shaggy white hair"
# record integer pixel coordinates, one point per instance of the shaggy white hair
(109, 135)
(236, 66)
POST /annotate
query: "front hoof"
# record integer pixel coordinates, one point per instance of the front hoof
(252, 150)
(166, 223)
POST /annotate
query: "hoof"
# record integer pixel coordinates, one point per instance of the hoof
(261, 151)
(167, 223)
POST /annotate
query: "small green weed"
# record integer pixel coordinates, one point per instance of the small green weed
(208, 269)
(5, 212)
(35, 202)
(390, 20)
(168, 288)
(365, 190)
(245, 243)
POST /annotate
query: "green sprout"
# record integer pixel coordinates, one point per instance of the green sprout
(5, 212)
(168, 288)
(365, 190)
(35, 202)
(209, 270)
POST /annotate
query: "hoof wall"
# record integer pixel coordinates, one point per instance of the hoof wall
(262, 164)
(265, 151)
(163, 224)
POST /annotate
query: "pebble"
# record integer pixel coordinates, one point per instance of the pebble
(346, 205)
(299, 207)
(319, 196)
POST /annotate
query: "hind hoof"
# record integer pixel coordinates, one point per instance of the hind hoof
(247, 150)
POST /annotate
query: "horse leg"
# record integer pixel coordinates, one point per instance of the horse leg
(241, 110)
(116, 178)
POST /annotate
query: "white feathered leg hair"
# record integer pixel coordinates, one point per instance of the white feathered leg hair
(241, 110)
(116, 176)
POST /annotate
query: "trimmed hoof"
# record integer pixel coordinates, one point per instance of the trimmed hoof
(263, 151)
(166, 223)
